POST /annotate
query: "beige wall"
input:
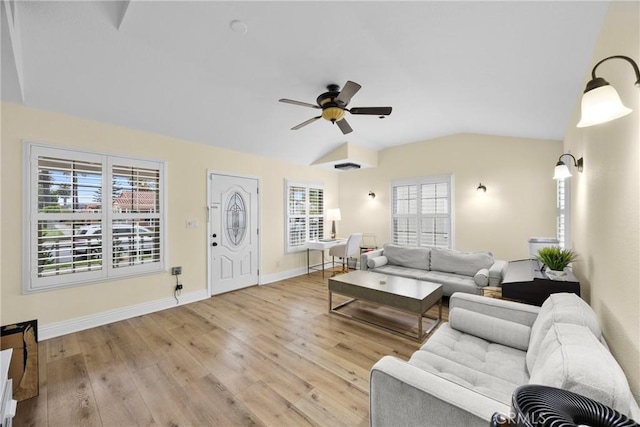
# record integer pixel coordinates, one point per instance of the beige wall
(187, 163)
(606, 197)
(519, 202)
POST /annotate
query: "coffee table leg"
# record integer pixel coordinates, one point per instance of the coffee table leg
(330, 294)
(432, 326)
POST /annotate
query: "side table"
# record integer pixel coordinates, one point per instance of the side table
(492, 292)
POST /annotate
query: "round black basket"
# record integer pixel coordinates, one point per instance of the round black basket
(541, 406)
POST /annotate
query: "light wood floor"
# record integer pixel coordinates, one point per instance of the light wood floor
(265, 355)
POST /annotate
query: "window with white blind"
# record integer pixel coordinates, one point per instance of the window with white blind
(90, 217)
(563, 212)
(422, 211)
(304, 214)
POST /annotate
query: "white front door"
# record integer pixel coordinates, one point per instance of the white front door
(233, 232)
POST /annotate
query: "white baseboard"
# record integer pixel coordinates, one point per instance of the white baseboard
(57, 329)
(282, 275)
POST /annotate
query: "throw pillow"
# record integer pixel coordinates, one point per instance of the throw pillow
(482, 277)
(377, 261)
(490, 328)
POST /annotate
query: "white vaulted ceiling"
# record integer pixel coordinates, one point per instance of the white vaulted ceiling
(176, 68)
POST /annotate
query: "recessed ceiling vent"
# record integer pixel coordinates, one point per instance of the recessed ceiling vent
(346, 166)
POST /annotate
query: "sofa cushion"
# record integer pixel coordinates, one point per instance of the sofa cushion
(573, 359)
(560, 307)
(377, 261)
(492, 369)
(466, 263)
(407, 256)
(396, 270)
(482, 277)
(490, 328)
(452, 283)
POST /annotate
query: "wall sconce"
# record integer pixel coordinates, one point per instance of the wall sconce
(562, 170)
(481, 188)
(372, 195)
(600, 102)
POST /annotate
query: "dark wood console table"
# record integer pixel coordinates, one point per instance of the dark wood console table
(523, 281)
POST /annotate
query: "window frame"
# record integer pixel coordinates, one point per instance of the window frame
(418, 182)
(31, 282)
(288, 184)
(563, 213)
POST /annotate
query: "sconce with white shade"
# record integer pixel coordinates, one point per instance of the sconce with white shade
(372, 195)
(333, 215)
(481, 188)
(562, 170)
(600, 102)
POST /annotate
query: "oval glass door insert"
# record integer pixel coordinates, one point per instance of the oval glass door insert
(236, 219)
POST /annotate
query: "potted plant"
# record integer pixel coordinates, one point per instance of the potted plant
(556, 260)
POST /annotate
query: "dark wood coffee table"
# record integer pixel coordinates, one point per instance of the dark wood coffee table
(408, 295)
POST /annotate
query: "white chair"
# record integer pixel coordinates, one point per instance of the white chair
(345, 250)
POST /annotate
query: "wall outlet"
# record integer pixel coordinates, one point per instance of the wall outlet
(176, 270)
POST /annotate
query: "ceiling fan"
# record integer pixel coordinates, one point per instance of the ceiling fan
(333, 104)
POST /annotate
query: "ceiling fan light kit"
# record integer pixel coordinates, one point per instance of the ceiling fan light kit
(333, 114)
(334, 103)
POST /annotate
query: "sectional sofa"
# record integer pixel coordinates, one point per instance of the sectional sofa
(471, 365)
(456, 271)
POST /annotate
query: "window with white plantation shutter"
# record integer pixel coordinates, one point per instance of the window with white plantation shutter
(304, 214)
(563, 202)
(136, 221)
(91, 217)
(422, 212)
(405, 211)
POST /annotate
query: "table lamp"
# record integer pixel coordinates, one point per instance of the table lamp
(333, 215)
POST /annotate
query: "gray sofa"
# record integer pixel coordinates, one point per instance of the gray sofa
(469, 368)
(456, 271)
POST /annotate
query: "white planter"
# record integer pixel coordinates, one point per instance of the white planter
(555, 274)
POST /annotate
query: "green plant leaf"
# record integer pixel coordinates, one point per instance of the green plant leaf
(556, 258)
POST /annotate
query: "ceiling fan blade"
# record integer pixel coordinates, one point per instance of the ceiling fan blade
(344, 126)
(304, 104)
(307, 122)
(376, 111)
(350, 88)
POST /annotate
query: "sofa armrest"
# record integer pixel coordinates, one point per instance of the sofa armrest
(524, 314)
(404, 395)
(366, 255)
(497, 272)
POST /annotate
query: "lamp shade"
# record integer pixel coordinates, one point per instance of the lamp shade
(333, 214)
(561, 171)
(601, 105)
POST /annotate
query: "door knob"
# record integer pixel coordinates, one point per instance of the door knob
(214, 244)
(214, 235)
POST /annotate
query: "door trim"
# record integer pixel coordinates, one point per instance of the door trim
(210, 173)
